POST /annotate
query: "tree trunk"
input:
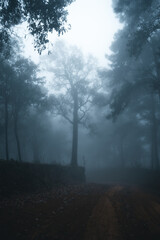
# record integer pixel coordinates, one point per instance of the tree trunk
(122, 153)
(156, 60)
(6, 128)
(154, 142)
(74, 160)
(17, 138)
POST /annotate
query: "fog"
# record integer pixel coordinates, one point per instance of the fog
(88, 97)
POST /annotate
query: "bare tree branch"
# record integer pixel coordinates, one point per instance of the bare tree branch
(64, 114)
(85, 102)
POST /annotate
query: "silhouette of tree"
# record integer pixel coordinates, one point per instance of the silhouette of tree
(74, 80)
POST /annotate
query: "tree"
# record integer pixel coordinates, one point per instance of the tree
(141, 18)
(20, 90)
(25, 92)
(73, 78)
(141, 25)
(6, 73)
(133, 83)
(42, 16)
(134, 75)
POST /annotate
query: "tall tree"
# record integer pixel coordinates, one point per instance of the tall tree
(132, 83)
(20, 90)
(73, 78)
(25, 92)
(5, 86)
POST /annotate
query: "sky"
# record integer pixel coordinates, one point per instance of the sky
(93, 25)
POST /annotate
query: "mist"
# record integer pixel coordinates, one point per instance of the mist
(79, 110)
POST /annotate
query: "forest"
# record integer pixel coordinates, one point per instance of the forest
(76, 134)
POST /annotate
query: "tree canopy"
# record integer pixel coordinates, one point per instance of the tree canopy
(133, 78)
(42, 16)
(141, 18)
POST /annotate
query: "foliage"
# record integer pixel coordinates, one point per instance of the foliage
(42, 17)
(142, 19)
(20, 91)
(134, 81)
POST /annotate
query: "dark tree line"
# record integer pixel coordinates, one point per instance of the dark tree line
(134, 76)
(20, 90)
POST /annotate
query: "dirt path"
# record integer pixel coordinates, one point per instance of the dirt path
(125, 213)
(86, 212)
(103, 223)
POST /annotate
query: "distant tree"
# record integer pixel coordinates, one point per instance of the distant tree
(74, 80)
(6, 73)
(42, 16)
(25, 92)
(20, 90)
(46, 139)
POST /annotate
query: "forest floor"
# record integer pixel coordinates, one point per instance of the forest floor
(82, 212)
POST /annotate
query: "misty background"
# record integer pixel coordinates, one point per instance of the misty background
(89, 97)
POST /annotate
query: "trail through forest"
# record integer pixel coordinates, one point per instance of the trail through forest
(89, 212)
